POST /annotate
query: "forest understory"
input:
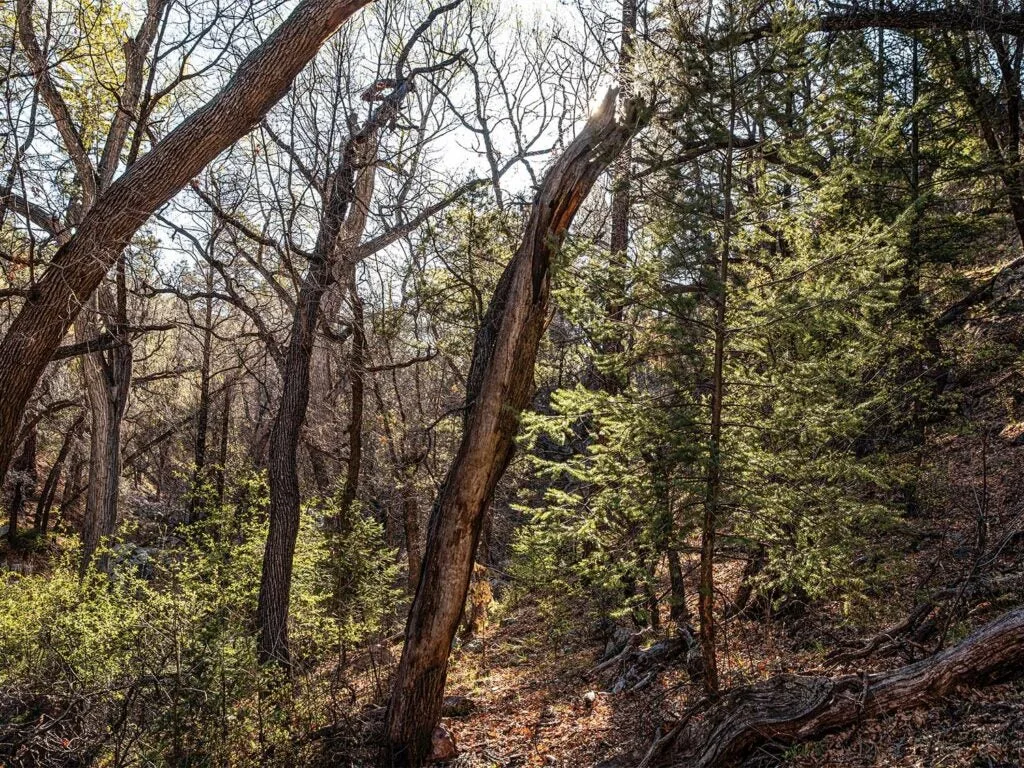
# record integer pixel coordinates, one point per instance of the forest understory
(523, 691)
(598, 383)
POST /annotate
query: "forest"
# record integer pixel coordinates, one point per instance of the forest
(612, 383)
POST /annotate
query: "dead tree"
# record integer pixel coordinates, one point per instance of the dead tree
(498, 387)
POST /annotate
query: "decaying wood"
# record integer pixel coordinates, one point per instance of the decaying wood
(498, 387)
(791, 709)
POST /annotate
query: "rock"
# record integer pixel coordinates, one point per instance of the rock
(590, 698)
(550, 760)
(617, 642)
(457, 706)
(473, 646)
(442, 746)
(548, 716)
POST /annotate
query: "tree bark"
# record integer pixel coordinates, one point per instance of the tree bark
(196, 502)
(24, 479)
(282, 465)
(222, 460)
(498, 387)
(360, 153)
(713, 488)
(791, 709)
(107, 382)
(620, 209)
(45, 504)
(357, 377)
(81, 263)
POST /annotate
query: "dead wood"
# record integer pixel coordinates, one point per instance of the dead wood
(792, 709)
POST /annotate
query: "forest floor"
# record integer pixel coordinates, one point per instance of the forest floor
(530, 674)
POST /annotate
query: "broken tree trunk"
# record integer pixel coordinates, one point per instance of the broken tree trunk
(498, 387)
(791, 709)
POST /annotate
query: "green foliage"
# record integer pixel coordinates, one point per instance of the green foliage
(161, 659)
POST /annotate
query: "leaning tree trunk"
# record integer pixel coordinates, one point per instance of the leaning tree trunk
(499, 386)
(282, 464)
(792, 709)
(80, 264)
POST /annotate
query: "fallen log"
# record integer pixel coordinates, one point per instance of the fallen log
(792, 709)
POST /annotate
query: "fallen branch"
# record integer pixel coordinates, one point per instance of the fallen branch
(627, 649)
(791, 709)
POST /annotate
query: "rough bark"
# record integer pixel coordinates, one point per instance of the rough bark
(791, 709)
(46, 496)
(80, 264)
(360, 151)
(107, 383)
(197, 502)
(357, 377)
(498, 387)
(282, 465)
(411, 522)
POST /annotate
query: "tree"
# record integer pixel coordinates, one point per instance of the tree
(119, 210)
(499, 385)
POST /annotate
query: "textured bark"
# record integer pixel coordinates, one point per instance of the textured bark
(45, 504)
(413, 535)
(498, 387)
(357, 377)
(282, 464)
(360, 152)
(792, 709)
(196, 502)
(80, 264)
(107, 383)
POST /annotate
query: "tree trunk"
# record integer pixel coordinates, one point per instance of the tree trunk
(792, 709)
(222, 459)
(196, 502)
(24, 479)
(678, 611)
(498, 387)
(413, 536)
(282, 464)
(713, 489)
(79, 265)
(357, 377)
(42, 517)
(360, 152)
(107, 383)
(620, 208)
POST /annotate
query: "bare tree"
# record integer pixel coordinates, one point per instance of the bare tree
(116, 209)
